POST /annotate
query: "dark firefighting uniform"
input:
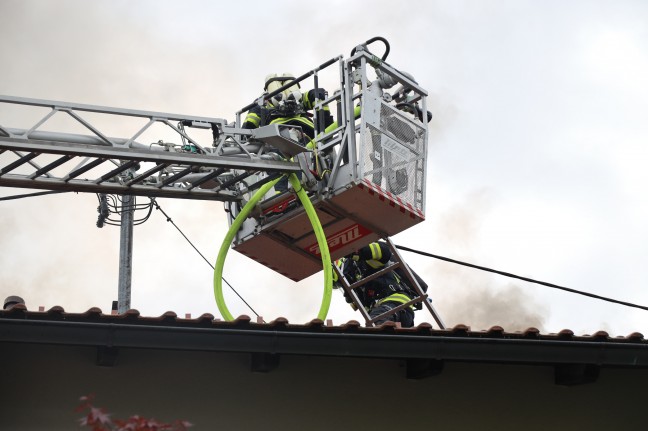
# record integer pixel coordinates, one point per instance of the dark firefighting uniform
(269, 114)
(383, 293)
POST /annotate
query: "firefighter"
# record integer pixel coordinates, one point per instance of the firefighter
(383, 293)
(290, 107)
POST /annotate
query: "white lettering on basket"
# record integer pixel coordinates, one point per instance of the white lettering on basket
(341, 239)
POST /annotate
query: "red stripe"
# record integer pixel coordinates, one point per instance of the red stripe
(404, 207)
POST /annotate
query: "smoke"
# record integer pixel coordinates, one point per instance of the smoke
(481, 301)
(47, 256)
(464, 295)
(106, 54)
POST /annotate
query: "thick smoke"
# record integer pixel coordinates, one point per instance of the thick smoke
(464, 295)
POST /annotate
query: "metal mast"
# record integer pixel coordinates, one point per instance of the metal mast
(125, 253)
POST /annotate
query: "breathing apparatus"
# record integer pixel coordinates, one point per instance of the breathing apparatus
(288, 101)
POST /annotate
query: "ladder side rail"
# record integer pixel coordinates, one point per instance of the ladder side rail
(108, 110)
(82, 186)
(396, 309)
(71, 109)
(406, 269)
(435, 314)
(414, 283)
(353, 295)
(425, 155)
(154, 156)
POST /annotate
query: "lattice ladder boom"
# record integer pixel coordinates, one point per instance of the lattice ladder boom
(190, 170)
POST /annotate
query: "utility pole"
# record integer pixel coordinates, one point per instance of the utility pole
(125, 253)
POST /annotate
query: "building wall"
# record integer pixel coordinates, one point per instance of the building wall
(217, 391)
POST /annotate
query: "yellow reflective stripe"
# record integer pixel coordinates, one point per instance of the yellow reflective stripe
(302, 120)
(252, 118)
(374, 263)
(376, 252)
(396, 297)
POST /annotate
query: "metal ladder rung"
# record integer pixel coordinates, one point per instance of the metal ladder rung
(175, 177)
(400, 307)
(45, 169)
(116, 171)
(376, 275)
(75, 173)
(234, 180)
(21, 161)
(207, 177)
(148, 173)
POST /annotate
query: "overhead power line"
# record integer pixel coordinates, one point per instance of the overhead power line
(530, 280)
(31, 195)
(157, 207)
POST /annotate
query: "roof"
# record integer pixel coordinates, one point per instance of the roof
(206, 333)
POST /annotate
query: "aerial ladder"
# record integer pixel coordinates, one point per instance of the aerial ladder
(359, 180)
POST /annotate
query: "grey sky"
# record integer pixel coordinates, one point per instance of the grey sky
(537, 148)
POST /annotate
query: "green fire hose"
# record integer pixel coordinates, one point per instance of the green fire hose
(236, 225)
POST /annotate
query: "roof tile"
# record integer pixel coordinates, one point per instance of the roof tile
(207, 320)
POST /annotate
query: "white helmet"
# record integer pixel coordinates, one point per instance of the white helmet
(289, 96)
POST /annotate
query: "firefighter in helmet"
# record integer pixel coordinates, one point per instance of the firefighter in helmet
(383, 293)
(289, 107)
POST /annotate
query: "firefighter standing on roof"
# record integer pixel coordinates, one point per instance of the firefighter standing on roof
(289, 107)
(383, 293)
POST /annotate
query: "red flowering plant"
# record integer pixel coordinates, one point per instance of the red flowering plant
(97, 419)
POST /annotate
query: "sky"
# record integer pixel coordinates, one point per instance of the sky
(537, 150)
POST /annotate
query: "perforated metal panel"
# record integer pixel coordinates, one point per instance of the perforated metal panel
(392, 152)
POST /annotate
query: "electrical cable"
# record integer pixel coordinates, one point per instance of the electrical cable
(530, 280)
(157, 207)
(113, 204)
(29, 195)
